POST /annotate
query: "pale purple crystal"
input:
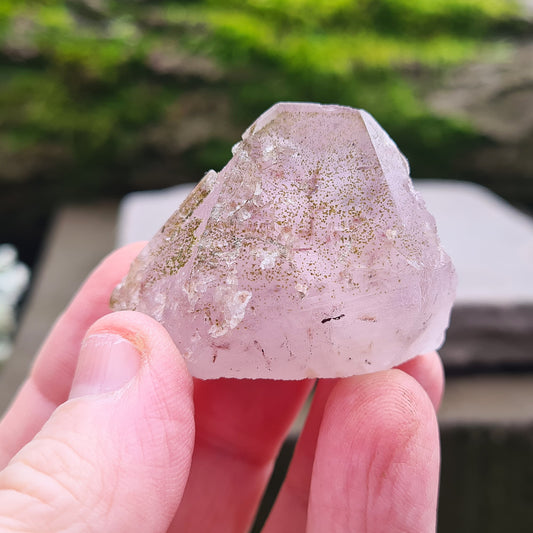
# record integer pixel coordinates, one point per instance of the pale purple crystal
(309, 254)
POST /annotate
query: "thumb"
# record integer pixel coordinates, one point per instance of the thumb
(117, 454)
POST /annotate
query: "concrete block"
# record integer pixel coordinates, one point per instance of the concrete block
(491, 244)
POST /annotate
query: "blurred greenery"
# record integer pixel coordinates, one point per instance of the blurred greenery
(98, 97)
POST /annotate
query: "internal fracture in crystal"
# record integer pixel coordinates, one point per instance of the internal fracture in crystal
(308, 255)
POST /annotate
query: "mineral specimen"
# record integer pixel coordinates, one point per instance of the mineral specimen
(309, 254)
(14, 279)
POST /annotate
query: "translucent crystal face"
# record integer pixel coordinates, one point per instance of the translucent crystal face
(308, 255)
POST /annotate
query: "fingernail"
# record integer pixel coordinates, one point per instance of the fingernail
(106, 363)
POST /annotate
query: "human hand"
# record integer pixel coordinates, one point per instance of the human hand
(107, 435)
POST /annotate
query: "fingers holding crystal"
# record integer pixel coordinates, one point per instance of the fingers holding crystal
(308, 255)
(290, 509)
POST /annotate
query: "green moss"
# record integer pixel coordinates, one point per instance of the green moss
(91, 79)
(185, 234)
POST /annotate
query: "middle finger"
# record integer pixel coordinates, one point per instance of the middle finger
(240, 427)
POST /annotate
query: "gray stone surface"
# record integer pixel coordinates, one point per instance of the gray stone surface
(80, 237)
(489, 337)
(494, 94)
(490, 242)
(491, 400)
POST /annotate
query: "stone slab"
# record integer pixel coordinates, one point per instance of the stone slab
(483, 338)
(79, 238)
(490, 242)
(490, 400)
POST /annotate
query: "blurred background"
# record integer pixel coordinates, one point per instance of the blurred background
(101, 97)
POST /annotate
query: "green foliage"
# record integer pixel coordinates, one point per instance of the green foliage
(111, 84)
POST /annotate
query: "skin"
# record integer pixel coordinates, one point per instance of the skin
(176, 454)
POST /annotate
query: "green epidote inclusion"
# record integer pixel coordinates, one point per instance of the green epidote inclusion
(180, 229)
